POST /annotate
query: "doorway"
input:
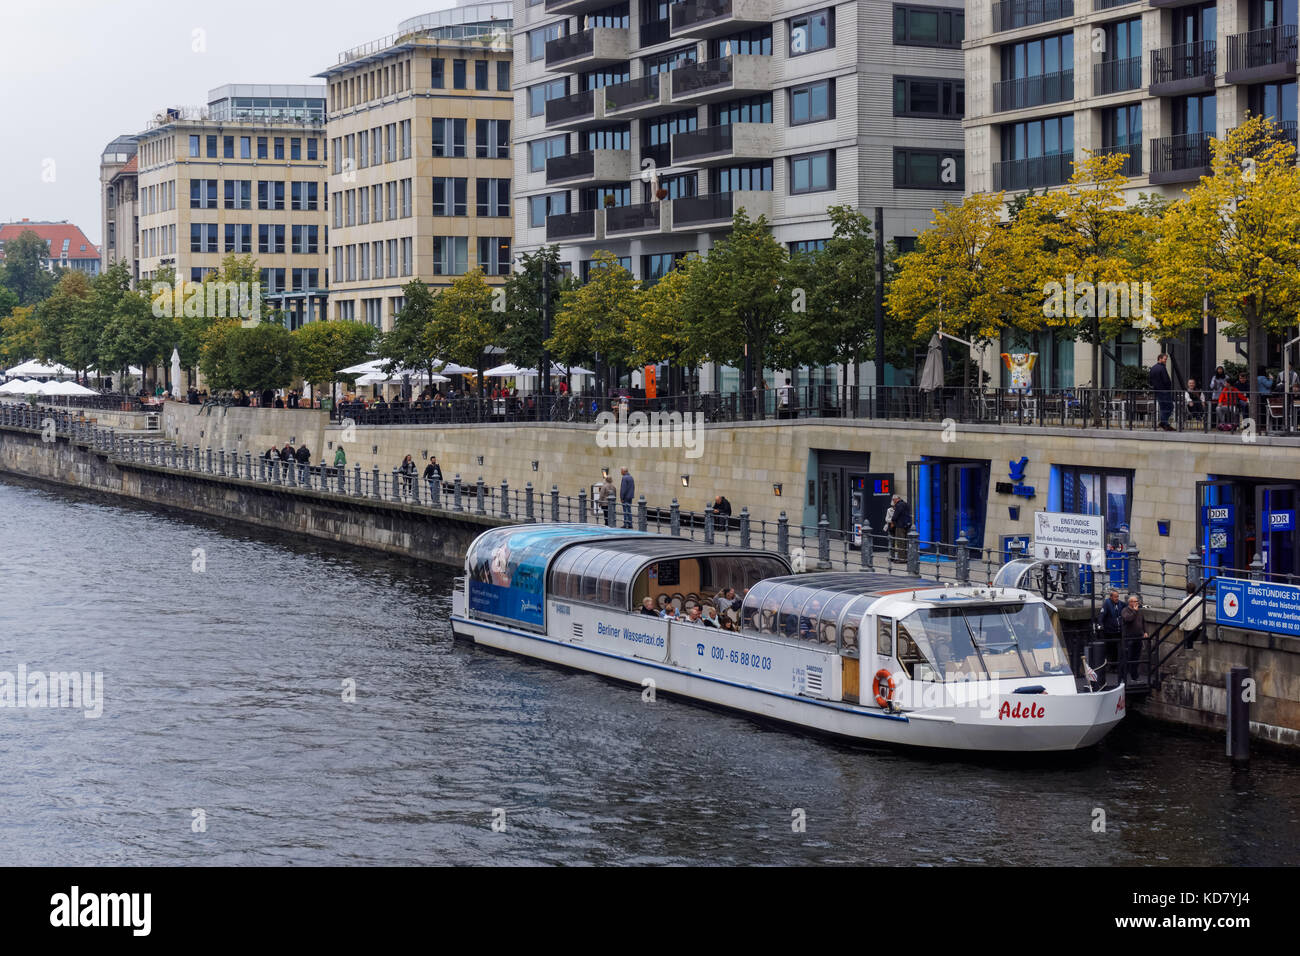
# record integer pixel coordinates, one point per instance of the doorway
(1242, 517)
(949, 498)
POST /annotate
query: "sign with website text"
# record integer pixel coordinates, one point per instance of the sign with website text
(1258, 605)
(1077, 539)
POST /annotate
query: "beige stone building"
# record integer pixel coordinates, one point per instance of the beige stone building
(245, 175)
(118, 175)
(420, 176)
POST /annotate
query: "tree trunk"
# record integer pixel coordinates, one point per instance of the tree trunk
(1255, 359)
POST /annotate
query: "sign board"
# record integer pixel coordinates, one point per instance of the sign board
(1077, 539)
(1216, 515)
(1281, 521)
(1259, 605)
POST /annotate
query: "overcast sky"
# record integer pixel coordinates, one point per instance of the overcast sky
(75, 74)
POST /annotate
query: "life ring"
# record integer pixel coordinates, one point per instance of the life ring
(883, 686)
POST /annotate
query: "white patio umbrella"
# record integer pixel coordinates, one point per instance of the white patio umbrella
(514, 371)
(41, 369)
(61, 388)
(176, 373)
(451, 368)
(48, 388)
(19, 387)
(374, 365)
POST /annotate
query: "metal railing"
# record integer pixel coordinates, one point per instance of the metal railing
(1183, 61)
(698, 143)
(643, 89)
(1266, 47)
(712, 207)
(1033, 91)
(570, 107)
(634, 217)
(691, 78)
(1033, 173)
(1080, 408)
(570, 46)
(1183, 151)
(571, 225)
(1133, 157)
(693, 12)
(1115, 76)
(1010, 14)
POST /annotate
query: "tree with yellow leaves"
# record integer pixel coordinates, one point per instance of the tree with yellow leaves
(1236, 236)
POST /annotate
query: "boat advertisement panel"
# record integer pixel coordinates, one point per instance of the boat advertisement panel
(506, 570)
(789, 668)
(636, 635)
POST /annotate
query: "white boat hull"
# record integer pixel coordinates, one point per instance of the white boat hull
(996, 722)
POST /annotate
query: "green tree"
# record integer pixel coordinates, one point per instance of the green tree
(57, 314)
(216, 358)
(20, 331)
(408, 344)
(133, 335)
(1236, 237)
(523, 337)
(744, 280)
(465, 322)
(322, 348)
(81, 336)
(23, 273)
(594, 320)
(261, 357)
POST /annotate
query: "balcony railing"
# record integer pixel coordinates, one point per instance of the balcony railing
(1009, 14)
(1185, 61)
(1033, 173)
(1267, 47)
(656, 31)
(571, 107)
(1185, 151)
(1115, 76)
(1033, 91)
(702, 142)
(715, 207)
(1286, 130)
(639, 217)
(1133, 161)
(692, 12)
(570, 47)
(1108, 4)
(644, 89)
(571, 225)
(571, 166)
(696, 77)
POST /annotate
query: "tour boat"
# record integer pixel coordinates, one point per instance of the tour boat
(868, 656)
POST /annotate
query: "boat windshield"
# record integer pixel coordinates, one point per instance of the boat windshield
(985, 641)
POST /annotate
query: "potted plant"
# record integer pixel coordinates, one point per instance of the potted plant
(661, 193)
(609, 200)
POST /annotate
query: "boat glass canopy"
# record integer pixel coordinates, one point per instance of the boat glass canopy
(820, 608)
(979, 641)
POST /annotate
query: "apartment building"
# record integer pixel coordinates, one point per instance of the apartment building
(67, 246)
(1051, 80)
(244, 175)
(643, 126)
(118, 175)
(420, 181)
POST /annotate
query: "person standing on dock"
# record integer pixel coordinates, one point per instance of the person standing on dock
(407, 471)
(1135, 634)
(900, 523)
(626, 490)
(433, 473)
(1110, 620)
(286, 453)
(608, 498)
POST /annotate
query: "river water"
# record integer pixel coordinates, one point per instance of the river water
(225, 737)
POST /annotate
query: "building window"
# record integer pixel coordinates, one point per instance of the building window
(212, 147)
(278, 145)
(239, 194)
(404, 128)
(615, 137)
(812, 32)
(303, 196)
(295, 148)
(481, 74)
(804, 247)
(239, 237)
(449, 196)
(540, 150)
(1081, 490)
(262, 147)
(586, 265)
(203, 194)
(270, 195)
(537, 39)
(812, 103)
(503, 75)
(245, 147)
(671, 60)
(814, 172)
(311, 149)
(492, 139)
(449, 137)
(195, 146)
(539, 207)
(929, 26)
(753, 177)
(539, 95)
(304, 240)
(227, 147)
(438, 79)
(757, 42)
(929, 97)
(450, 255)
(270, 238)
(492, 197)
(406, 199)
(929, 169)
(752, 109)
(655, 267)
(458, 74)
(494, 255)
(203, 237)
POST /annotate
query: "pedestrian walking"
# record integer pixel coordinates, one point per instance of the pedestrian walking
(626, 490)
(1163, 386)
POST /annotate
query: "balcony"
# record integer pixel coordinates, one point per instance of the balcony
(1033, 91)
(1179, 159)
(702, 19)
(717, 145)
(744, 74)
(1262, 55)
(571, 7)
(574, 112)
(1285, 132)
(639, 97)
(1182, 69)
(1010, 14)
(1133, 161)
(639, 219)
(575, 226)
(1116, 76)
(590, 168)
(1034, 173)
(1111, 4)
(696, 213)
(588, 50)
